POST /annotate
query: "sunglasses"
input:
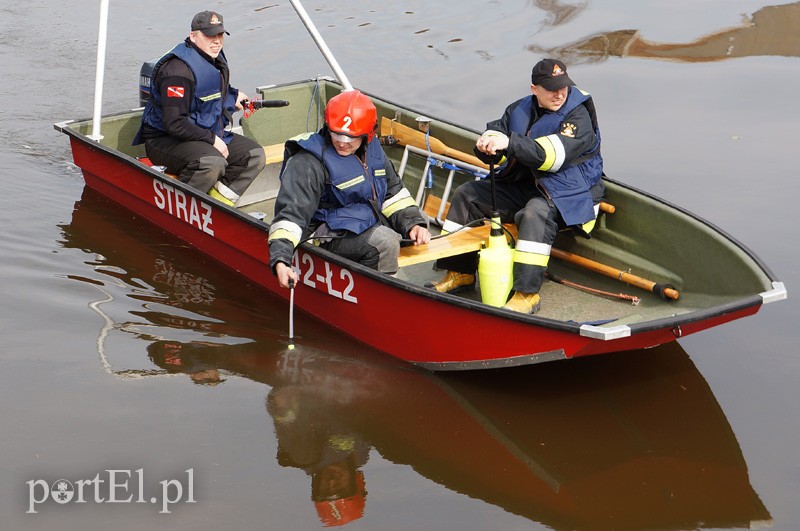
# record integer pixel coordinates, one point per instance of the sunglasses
(339, 137)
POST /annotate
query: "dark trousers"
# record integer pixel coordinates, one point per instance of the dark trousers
(378, 248)
(535, 216)
(200, 165)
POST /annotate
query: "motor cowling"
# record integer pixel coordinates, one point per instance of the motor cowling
(145, 75)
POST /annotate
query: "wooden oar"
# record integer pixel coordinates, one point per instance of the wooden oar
(408, 136)
(665, 291)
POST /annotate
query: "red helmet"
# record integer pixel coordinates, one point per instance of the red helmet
(353, 114)
(342, 511)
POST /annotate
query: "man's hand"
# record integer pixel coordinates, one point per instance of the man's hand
(420, 235)
(221, 146)
(239, 99)
(491, 142)
(285, 274)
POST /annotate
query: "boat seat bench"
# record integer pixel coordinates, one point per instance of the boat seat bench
(461, 242)
(273, 154)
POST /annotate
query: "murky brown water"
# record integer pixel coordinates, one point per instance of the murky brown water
(124, 350)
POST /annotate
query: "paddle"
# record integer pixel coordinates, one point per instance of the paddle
(665, 291)
(408, 136)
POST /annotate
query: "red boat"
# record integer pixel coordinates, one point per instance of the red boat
(714, 278)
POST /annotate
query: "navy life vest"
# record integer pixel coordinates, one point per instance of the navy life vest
(353, 194)
(210, 96)
(569, 186)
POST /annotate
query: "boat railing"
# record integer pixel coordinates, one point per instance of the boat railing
(442, 161)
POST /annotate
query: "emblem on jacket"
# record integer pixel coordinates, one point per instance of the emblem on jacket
(568, 129)
(175, 92)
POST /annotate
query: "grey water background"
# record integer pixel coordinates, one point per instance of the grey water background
(697, 103)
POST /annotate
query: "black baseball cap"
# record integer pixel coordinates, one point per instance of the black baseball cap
(209, 22)
(550, 74)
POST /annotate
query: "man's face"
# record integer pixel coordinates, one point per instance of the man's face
(345, 148)
(552, 100)
(209, 45)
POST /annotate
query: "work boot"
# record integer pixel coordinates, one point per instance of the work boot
(453, 282)
(523, 302)
(222, 193)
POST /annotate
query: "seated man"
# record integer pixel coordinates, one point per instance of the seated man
(339, 185)
(551, 180)
(185, 122)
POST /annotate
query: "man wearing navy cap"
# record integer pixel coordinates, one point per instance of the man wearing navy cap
(549, 179)
(185, 125)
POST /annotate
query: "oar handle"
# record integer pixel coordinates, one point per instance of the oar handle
(260, 104)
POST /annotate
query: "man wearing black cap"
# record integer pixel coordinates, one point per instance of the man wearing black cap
(549, 178)
(185, 122)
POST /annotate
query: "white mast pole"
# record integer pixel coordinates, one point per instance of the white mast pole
(326, 52)
(101, 65)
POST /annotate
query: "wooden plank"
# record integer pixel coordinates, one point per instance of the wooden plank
(274, 153)
(461, 242)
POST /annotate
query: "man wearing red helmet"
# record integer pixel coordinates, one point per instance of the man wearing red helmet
(339, 186)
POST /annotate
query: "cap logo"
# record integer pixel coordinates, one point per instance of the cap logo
(214, 19)
(557, 71)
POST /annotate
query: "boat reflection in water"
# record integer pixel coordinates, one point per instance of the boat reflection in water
(626, 441)
(766, 32)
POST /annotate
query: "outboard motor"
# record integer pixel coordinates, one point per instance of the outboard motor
(145, 75)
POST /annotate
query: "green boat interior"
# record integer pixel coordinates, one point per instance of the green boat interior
(644, 236)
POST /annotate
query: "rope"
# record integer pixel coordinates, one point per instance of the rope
(622, 296)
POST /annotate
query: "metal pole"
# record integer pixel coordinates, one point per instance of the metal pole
(101, 66)
(326, 52)
(291, 315)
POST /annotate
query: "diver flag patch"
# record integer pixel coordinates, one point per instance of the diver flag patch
(175, 92)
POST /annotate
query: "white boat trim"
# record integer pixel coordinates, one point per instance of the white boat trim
(605, 333)
(777, 293)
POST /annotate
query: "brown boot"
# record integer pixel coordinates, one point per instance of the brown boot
(453, 282)
(523, 302)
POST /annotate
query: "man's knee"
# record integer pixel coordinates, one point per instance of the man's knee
(387, 244)
(257, 160)
(536, 211)
(203, 173)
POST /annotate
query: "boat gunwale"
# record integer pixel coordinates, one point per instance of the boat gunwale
(716, 228)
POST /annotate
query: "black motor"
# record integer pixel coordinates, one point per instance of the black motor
(145, 74)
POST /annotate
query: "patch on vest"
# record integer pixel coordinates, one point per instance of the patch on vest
(568, 129)
(175, 92)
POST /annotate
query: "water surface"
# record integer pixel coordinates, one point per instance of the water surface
(125, 350)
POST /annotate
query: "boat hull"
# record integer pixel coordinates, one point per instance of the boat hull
(357, 301)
